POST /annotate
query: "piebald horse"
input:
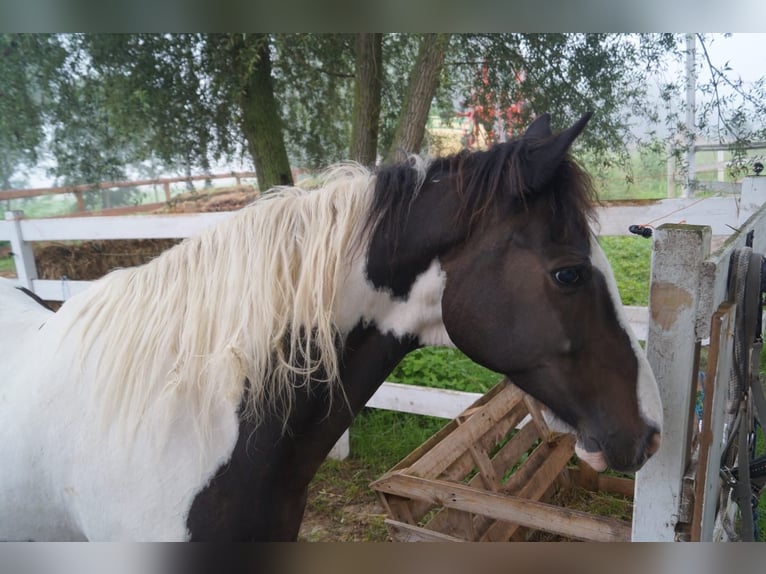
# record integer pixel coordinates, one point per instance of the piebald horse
(194, 397)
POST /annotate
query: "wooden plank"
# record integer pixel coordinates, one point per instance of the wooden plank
(442, 403)
(440, 435)
(460, 524)
(58, 289)
(463, 465)
(121, 226)
(511, 451)
(587, 478)
(715, 269)
(606, 483)
(432, 463)
(707, 481)
(399, 508)
(23, 257)
(677, 255)
(486, 470)
(536, 487)
(539, 515)
(21, 193)
(528, 469)
(503, 460)
(403, 532)
(546, 434)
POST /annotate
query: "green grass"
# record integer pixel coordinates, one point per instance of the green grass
(6, 264)
(630, 257)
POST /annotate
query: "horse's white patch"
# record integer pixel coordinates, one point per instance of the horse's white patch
(420, 314)
(56, 459)
(595, 460)
(649, 400)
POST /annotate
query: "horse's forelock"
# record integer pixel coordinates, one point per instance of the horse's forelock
(483, 180)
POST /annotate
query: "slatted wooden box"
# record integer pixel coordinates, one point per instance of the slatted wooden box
(490, 476)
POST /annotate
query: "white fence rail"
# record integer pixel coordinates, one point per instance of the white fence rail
(722, 214)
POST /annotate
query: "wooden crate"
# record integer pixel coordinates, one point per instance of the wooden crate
(492, 474)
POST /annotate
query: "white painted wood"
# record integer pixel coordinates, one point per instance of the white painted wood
(677, 255)
(6, 229)
(442, 403)
(434, 402)
(58, 290)
(753, 196)
(23, 257)
(715, 269)
(342, 448)
(638, 317)
(120, 227)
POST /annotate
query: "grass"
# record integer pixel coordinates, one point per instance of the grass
(6, 265)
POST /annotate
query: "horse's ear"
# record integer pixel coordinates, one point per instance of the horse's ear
(539, 128)
(543, 159)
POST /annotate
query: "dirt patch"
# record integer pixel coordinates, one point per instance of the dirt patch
(342, 507)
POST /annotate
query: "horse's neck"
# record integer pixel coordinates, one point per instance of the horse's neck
(271, 488)
(416, 314)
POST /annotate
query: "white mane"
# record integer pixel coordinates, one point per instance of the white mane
(251, 297)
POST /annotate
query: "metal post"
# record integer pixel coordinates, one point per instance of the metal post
(691, 88)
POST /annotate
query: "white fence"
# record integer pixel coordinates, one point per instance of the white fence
(687, 264)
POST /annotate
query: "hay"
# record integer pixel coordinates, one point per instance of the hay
(227, 199)
(89, 260)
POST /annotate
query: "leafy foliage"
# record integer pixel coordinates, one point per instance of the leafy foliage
(102, 102)
(26, 61)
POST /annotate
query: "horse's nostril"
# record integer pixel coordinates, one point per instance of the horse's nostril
(653, 444)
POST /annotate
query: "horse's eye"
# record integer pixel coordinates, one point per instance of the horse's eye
(569, 276)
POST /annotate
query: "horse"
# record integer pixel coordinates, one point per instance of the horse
(195, 396)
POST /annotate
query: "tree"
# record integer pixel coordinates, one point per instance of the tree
(367, 93)
(421, 89)
(186, 100)
(25, 63)
(250, 56)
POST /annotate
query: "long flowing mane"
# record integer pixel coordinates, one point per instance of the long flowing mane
(250, 298)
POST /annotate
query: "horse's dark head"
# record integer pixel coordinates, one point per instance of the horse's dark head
(527, 290)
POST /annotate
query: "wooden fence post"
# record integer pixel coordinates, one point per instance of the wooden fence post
(23, 257)
(672, 349)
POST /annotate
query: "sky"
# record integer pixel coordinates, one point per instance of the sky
(746, 53)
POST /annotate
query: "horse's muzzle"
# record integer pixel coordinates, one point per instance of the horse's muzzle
(619, 457)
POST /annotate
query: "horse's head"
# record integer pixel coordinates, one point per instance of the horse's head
(530, 294)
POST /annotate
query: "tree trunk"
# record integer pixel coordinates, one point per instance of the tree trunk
(261, 123)
(421, 89)
(367, 93)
